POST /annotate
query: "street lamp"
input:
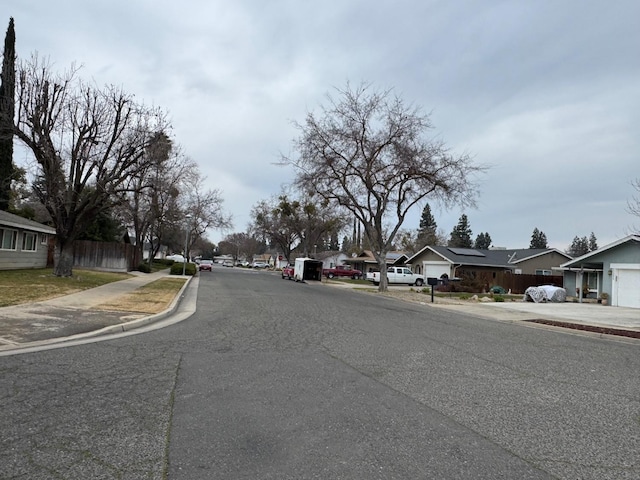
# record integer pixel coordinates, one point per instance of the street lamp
(186, 244)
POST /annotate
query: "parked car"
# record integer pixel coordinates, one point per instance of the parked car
(288, 271)
(206, 265)
(227, 263)
(176, 258)
(259, 265)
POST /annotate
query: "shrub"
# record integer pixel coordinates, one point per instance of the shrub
(498, 298)
(144, 268)
(176, 269)
(163, 261)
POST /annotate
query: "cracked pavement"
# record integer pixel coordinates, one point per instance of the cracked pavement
(273, 379)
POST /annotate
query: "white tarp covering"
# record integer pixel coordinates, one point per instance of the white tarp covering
(545, 293)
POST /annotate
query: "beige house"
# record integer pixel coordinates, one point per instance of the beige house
(366, 262)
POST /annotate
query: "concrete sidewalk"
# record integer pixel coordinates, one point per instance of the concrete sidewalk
(76, 315)
(579, 316)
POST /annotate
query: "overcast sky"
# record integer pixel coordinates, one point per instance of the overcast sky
(546, 92)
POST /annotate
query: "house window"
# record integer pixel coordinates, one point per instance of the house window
(592, 280)
(44, 239)
(543, 272)
(29, 242)
(8, 239)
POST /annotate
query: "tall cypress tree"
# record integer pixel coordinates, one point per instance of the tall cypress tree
(7, 111)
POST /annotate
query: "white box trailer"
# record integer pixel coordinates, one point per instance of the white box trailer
(307, 269)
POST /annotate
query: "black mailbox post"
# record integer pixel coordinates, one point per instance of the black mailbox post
(432, 281)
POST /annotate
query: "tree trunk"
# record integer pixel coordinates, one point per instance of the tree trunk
(382, 266)
(384, 283)
(63, 259)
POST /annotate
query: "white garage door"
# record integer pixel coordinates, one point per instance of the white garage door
(436, 269)
(628, 291)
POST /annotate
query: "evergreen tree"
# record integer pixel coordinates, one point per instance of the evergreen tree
(461, 234)
(7, 111)
(582, 246)
(578, 247)
(346, 245)
(483, 241)
(538, 239)
(333, 242)
(427, 233)
(103, 228)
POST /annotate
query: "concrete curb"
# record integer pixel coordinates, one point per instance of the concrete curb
(133, 324)
(112, 329)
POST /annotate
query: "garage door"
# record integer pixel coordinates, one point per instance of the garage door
(436, 269)
(628, 291)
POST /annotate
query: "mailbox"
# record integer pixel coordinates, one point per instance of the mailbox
(433, 281)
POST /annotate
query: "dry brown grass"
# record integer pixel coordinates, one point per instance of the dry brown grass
(24, 286)
(152, 298)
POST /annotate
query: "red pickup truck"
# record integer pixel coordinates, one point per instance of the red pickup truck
(287, 272)
(342, 271)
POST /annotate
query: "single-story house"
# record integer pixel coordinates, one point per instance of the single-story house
(613, 269)
(332, 258)
(491, 267)
(366, 262)
(436, 261)
(23, 243)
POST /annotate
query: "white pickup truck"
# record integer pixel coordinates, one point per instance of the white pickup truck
(398, 275)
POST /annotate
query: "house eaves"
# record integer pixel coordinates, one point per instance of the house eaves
(539, 254)
(586, 256)
(507, 259)
(16, 221)
(409, 260)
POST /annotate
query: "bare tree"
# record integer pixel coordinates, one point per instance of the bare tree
(368, 153)
(633, 205)
(239, 245)
(87, 142)
(275, 221)
(295, 223)
(151, 202)
(205, 207)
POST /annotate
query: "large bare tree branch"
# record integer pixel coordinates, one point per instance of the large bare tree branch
(369, 152)
(87, 143)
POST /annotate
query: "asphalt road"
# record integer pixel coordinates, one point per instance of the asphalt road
(272, 379)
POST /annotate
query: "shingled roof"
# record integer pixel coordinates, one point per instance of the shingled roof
(507, 258)
(16, 221)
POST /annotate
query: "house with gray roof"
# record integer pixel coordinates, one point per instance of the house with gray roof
(23, 242)
(613, 269)
(490, 266)
(366, 262)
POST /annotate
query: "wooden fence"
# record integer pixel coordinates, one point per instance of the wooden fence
(475, 281)
(519, 283)
(110, 256)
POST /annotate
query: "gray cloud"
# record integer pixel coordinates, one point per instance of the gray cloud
(545, 92)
